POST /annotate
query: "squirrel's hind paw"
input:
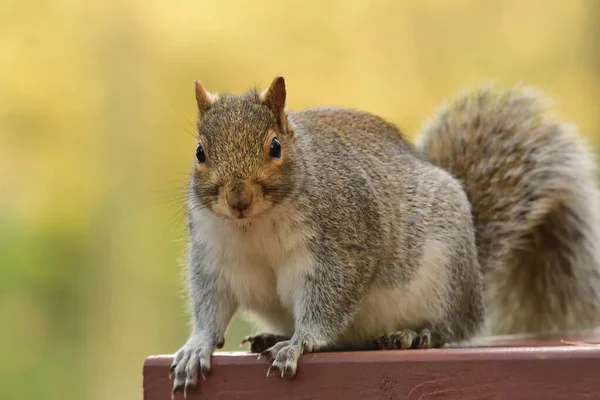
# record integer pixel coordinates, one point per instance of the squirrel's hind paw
(407, 339)
(263, 341)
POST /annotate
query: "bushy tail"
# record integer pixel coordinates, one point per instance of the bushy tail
(532, 185)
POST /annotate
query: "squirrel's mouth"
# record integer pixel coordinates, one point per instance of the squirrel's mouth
(241, 206)
(245, 215)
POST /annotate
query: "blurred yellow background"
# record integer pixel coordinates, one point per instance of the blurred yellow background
(96, 140)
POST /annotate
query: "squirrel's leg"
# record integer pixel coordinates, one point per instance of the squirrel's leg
(451, 298)
(212, 308)
(321, 312)
(262, 341)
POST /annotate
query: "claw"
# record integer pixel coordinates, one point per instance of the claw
(266, 355)
(175, 390)
(204, 371)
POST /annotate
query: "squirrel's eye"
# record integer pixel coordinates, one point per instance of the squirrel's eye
(275, 151)
(200, 156)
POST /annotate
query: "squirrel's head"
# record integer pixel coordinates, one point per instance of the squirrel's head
(244, 158)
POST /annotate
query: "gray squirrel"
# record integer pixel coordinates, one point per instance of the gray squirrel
(334, 232)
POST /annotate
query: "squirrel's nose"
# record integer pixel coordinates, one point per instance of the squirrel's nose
(240, 201)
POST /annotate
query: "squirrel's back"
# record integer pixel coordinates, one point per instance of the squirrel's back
(366, 133)
(531, 182)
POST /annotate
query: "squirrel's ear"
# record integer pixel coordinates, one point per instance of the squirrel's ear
(204, 98)
(274, 97)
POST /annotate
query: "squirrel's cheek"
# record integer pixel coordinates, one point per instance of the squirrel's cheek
(201, 168)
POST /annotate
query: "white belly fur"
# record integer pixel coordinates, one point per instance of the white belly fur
(261, 260)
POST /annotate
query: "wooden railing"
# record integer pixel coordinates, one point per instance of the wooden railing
(512, 368)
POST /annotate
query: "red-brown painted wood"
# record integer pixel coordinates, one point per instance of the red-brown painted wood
(532, 368)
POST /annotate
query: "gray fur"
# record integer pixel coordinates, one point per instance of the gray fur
(359, 240)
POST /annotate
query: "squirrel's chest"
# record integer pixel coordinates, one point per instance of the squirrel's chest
(261, 261)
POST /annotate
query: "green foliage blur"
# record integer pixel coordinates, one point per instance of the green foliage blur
(97, 139)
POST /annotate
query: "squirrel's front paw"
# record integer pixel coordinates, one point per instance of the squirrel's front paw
(263, 341)
(285, 357)
(193, 356)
